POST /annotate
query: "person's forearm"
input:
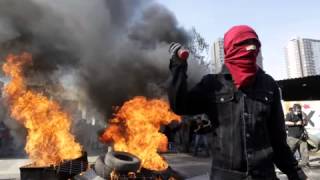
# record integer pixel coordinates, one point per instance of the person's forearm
(177, 87)
(289, 123)
(184, 101)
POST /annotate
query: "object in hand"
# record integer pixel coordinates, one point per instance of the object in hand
(179, 51)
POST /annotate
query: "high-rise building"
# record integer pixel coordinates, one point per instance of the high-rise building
(218, 56)
(260, 60)
(302, 57)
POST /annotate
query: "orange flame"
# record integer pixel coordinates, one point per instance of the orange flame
(135, 129)
(49, 141)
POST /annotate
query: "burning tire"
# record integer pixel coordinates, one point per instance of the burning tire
(122, 161)
(101, 168)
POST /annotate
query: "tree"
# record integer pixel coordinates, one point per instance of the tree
(198, 46)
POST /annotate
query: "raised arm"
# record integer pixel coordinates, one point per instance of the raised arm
(182, 100)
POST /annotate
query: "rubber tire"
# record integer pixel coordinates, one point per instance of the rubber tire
(122, 161)
(101, 168)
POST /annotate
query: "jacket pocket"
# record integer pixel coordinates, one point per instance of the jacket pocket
(221, 106)
(264, 96)
(263, 103)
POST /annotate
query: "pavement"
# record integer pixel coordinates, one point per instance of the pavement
(9, 168)
(198, 168)
(194, 168)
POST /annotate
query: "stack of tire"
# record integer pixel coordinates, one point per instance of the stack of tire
(121, 162)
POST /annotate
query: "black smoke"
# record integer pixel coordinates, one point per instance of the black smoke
(115, 49)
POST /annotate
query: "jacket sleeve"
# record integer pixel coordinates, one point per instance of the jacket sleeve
(182, 100)
(283, 156)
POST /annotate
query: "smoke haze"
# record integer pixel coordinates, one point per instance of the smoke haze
(113, 49)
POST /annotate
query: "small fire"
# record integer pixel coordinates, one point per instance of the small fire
(135, 129)
(49, 141)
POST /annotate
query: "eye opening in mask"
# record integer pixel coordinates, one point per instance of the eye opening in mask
(251, 41)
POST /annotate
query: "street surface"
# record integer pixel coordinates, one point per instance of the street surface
(194, 168)
(199, 168)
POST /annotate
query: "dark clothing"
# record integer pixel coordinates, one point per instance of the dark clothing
(204, 127)
(297, 139)
(201, 139)
(169, 133)
(297, 130)
(248, 133)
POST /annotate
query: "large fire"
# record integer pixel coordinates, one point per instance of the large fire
(135, 129)
(49, 141)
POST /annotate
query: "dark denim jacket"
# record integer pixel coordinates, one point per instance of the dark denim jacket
(249, 134)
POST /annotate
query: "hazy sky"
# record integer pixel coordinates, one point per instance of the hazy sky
(275, 21)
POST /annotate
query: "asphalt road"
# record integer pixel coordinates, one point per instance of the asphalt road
(198, 168)
(194, 168)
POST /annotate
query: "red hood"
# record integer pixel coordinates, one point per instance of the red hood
(241, 62)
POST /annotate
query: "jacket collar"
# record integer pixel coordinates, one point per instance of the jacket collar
(225, 71)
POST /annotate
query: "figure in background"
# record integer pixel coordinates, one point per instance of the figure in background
(297, 135)
(203, 128)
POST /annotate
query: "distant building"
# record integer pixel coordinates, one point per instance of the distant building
(302, 57)
(218, 56)
(260, 60)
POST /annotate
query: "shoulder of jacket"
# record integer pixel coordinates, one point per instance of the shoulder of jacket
(208, 77)
(211, 78)
(268, 79)
(209, 81)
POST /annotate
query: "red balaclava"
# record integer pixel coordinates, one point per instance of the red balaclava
(240, 58)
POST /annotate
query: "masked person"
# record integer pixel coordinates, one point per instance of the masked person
(297, 137)
(243, 104)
